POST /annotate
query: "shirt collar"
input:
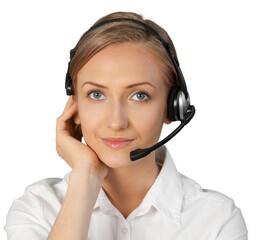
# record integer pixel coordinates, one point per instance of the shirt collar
(169, 193)
(165, 194)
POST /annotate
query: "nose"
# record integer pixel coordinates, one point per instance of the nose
(117, 116)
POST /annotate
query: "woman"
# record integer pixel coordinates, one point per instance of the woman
(121, 75)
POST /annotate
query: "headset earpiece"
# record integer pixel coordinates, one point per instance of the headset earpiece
(170, 103)
(177, 104)
(69, 82)
(69, 85)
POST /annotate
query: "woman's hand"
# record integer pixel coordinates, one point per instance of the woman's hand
(77, 155)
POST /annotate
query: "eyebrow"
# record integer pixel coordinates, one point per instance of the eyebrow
(129, 86)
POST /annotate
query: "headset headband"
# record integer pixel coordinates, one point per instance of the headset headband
(181, 80)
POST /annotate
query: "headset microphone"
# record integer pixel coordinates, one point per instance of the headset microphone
(140, 153)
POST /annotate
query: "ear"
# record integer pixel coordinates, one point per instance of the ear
(166, 120)
(76, 117)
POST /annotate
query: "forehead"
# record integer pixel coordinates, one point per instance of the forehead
(122, 63)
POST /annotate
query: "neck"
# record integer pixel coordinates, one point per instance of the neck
(128, 186)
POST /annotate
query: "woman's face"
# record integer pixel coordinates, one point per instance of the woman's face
(121, 93)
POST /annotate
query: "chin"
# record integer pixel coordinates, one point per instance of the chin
(116, 159)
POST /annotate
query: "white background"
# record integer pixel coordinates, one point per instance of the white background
(216, 42)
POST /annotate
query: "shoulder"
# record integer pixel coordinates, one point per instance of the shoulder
(193, 193)
(39, 203)
(46, 190)
(48, 186)
(212, 207)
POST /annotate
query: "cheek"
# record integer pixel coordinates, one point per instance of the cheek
(90, 121)
(149, 123)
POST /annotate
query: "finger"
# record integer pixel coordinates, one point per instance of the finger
(69, 112)
(68, 103)
(70, 107)
(66, 117)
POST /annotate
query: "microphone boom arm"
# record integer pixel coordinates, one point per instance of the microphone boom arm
(140, 153)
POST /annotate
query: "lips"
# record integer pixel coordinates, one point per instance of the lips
(117, 143)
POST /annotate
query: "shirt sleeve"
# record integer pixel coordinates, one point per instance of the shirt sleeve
(234, 228)
(24, 219)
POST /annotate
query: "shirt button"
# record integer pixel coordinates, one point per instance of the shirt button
(124, 230)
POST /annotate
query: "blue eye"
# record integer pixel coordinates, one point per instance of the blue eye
(142, 96)
(95, 95)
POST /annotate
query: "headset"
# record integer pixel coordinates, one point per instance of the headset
(179, 107)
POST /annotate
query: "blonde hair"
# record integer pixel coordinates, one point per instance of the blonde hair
(120, 32)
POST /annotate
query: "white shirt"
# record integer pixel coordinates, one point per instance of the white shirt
(175, 207)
